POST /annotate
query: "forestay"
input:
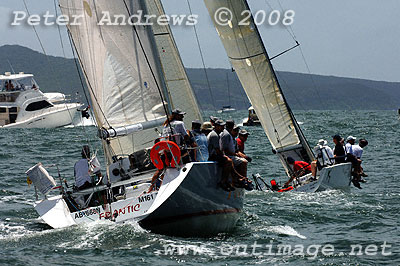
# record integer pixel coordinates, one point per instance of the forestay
(123, 90)
(179, 88)
(250, 60)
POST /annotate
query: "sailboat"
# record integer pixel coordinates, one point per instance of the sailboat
(252, 119)
(227, 108)
(135, 76)
(248, 56)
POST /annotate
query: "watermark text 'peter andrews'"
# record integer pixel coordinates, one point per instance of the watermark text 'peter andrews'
(105, 18)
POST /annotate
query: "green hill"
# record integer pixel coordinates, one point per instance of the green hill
(303, 91)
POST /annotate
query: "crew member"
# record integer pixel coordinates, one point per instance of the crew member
(175, 122)
(350, 141)
(324, 153)
(86, 167)
(206, 128)
(200, 141)
(213, 119)
(215, 154)
(243, 135)
(358, 151)
(227, 145)
(300, 168)
(338, 152)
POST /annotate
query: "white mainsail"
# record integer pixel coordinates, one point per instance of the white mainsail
(250, 60)
(177, 82)
(122, 87)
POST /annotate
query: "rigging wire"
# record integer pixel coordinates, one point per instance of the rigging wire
(47, 57)
(73, 52)
(287, 86)
(292, 34)
(290, 30)
(289, 27)
(88, 82)
(161, 10)
(257, 78)
(150, 67)
(202, 58)
(81, 82)
(227, 83)
(59, 30)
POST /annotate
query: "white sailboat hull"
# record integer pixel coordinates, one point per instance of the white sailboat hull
(331, 177)
(337, 176)
(189, 202)
(57, 116)
(226, 110)
(311, 186)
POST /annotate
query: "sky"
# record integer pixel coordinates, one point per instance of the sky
(357, 38)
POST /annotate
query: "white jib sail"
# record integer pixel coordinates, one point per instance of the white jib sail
(178, 85)
(123, 90)
(247, 55)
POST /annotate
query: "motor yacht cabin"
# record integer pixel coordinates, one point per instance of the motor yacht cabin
(23, 105)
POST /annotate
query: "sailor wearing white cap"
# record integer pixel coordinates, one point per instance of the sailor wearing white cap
(350, 142)
(324, 153)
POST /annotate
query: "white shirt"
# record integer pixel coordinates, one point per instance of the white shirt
(324, 154)
(178, 127)
(348, 148)
(83, 171)
(357, 151)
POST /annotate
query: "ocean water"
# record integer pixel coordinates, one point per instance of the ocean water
(319, 228)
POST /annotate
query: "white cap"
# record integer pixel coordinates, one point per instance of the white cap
(322, 142)
(350, 138)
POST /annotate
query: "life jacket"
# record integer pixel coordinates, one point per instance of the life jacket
(274, 185)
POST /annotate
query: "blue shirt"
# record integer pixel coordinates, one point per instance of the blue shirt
(202, 143)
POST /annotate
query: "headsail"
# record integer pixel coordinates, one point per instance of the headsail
(122, 88)
(249, 58)
(179, 88)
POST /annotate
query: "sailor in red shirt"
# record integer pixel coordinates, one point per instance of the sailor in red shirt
(300, 168)
(300, 165)
(243, 134)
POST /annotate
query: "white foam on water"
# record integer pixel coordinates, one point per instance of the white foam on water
(9, 231)
(92, 233)
(5, 199)
(13, 232)
(286, 230)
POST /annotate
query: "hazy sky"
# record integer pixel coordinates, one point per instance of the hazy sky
(357, 38)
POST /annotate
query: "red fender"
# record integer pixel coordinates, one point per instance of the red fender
(286, 189)
(165, 146)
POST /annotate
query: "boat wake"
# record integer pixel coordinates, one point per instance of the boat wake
(286, 230)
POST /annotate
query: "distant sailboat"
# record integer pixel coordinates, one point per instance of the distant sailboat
(133, 75)
(252, 119)
(247, 54)
(227, 108)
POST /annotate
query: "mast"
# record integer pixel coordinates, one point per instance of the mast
(250, 59)
(229, 92)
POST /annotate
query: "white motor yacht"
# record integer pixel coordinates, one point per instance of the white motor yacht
(23, 105)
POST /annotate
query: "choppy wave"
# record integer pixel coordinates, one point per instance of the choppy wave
(367, 216)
